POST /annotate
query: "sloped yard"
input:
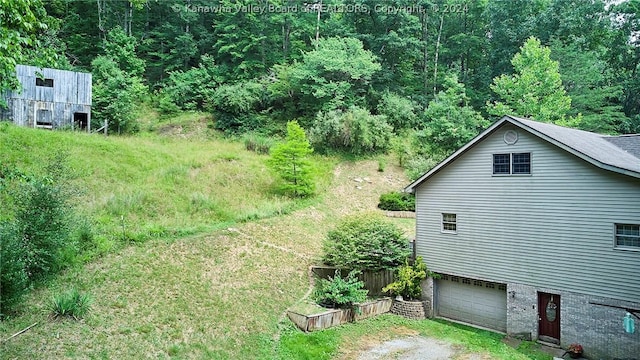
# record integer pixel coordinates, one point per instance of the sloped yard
(221, 295)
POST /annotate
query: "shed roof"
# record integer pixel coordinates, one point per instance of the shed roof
(619, 154)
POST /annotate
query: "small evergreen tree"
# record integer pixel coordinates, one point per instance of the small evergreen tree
(290, 161)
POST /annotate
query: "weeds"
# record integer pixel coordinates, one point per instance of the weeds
(71, 304)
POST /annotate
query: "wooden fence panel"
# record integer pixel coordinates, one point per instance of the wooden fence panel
(374, 281)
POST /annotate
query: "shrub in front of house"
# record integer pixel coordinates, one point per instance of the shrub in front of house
(366, 242)
(408, 280)
(397, 201)
(338, 292)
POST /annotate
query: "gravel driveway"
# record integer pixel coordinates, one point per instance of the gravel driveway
(414, 348)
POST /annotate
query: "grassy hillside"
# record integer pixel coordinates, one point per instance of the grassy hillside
(155, 185)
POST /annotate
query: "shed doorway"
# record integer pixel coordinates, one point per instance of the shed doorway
(81, 121)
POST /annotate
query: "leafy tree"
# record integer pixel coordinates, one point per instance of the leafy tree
(336, 75)
(121, 48)
(117, 85)
(115, 96)
(290, 161)
(400, 111)
(449, 120)
(192, 89)
(595, 95)
(24, 27)
(510, 24)
(236, 106)
(535, 89)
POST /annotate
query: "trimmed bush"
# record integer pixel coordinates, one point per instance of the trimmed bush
(397, 201)
(71, 304)
(338, 292)
(366, 242)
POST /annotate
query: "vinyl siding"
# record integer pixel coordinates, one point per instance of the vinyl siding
(553, 228)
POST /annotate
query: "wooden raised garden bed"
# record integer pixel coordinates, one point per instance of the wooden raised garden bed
(323, 318)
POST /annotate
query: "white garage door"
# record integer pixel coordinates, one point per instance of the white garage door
(473, 301)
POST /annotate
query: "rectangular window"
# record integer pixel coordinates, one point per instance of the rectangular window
(501, 164)
(628, 236)
(449, 223)
(512, 164)
(521, 163)
(44, 82)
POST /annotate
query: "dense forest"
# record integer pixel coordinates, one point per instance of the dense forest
(354, 73)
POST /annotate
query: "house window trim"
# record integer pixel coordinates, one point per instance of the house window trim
(511, 164)
(442, 222)
(615, 240)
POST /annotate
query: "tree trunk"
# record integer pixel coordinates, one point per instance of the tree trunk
(435, 62)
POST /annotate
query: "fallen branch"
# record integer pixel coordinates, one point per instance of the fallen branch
(20, 332)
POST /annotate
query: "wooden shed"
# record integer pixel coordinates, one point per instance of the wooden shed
(49, 99)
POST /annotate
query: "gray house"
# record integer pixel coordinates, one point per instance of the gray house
(49, 99)
(535, 229)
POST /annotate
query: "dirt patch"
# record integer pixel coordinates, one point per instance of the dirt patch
(410, 348)
(401, 343)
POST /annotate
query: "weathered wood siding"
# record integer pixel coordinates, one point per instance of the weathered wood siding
(71, 93)
(552, 229)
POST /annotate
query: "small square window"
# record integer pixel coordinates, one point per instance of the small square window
(627, 236)
(449, 223)
(44, 82)
(501, 164)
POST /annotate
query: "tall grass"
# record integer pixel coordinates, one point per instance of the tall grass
(136, 188)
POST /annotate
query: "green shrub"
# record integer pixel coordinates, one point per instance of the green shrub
(366, 242)
(71, 304)
(355, 131)
(35, 228)
(400, 111)
(408, 280)
(338, 292)
(237, 107)
(397, 201)
(14, 281)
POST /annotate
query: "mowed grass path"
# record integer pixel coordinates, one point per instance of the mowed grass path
(217, 296)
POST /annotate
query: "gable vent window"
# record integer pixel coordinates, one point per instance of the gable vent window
(449, 223)
(627, 236)
(512, 164)
(44, 82)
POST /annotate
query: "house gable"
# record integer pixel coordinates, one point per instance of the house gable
(553, 228)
